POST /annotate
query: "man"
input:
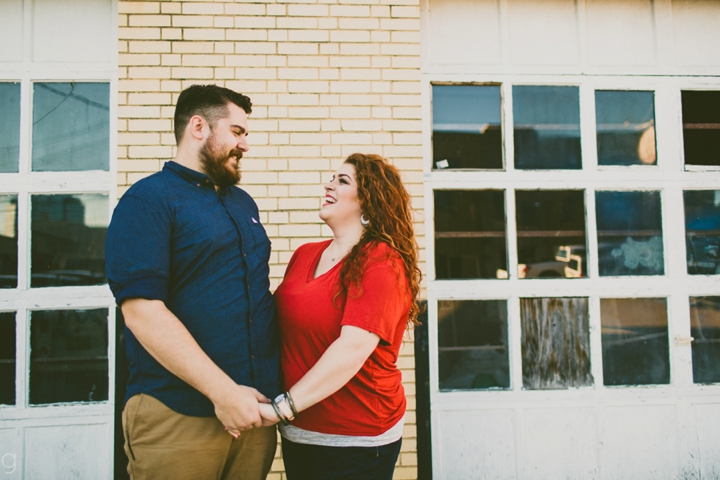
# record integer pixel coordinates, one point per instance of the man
(187, 261)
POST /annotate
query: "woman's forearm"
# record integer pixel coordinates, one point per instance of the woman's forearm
(340, 362)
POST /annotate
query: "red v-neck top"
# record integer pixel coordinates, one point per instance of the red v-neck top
(374, 399)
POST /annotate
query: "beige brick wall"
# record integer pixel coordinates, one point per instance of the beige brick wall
(327, 78)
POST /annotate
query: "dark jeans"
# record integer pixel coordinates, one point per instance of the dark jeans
(314, 462)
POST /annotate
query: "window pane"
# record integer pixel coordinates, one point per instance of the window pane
(68, 239)
(547, 127)
(10, 126)
(71, 127)
(634, 341)
(629, 233)
(702, 231)
(466, 126)
(625, 128)
(470, 234)
(705, 329)
(68, 356)
(555, 343)
(7, 358)
(551, 234)
(701, 127)
(472, 340)
(8, 241)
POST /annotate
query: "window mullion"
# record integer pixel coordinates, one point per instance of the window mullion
(22, 358)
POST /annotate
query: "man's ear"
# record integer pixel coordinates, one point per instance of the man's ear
(196, 127)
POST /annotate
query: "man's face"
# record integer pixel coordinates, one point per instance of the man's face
(220, 155)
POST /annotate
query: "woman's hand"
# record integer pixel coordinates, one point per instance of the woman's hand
(269, 417)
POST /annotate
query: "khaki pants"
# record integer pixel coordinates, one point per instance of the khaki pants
(163, 444)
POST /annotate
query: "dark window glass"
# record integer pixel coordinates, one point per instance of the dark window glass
(466, 126)
(705, 330)
(555, 343)
(702, 231)
(8, 241)
(472, 344)
(7, 358)
(629, 233)
(625, 128)
(470, 234)
(546, 127)
(68, 356)
(68, 239)
(634, 341)
(10, 127)
(701, 127)
(551, 234)
(71, 127)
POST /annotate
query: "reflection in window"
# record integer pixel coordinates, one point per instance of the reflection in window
(702, 231)
(705, 330)
(555, 343)
(466, 126)
(634, 341)
(629, 233)
(472, 341)
(470, 234)
(8, 241)
(10, 127)
(68, 239)
(68, 356)
(551, 234)
(546, 127)
(7, 358)
(701, 127)
(71, 127)
(625, 128)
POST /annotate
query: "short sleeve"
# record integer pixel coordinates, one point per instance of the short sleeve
(382, 303)
(137, 250)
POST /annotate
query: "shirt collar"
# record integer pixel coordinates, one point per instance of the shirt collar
(192, 176)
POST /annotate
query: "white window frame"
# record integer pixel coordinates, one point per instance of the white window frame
(670, 177)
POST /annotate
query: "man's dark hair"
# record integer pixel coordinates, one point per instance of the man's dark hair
(208, 101)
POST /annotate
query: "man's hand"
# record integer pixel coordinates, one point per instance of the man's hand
(237, 407)
(267, 412)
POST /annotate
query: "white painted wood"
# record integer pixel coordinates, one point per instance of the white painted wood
(707, 417)
(696, 24)
(11, 31)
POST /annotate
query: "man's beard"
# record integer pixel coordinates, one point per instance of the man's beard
(216, 164)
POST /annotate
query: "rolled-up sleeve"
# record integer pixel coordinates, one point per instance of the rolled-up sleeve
(137, 250)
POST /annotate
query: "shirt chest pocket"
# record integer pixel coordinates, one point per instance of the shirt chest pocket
(256, 245)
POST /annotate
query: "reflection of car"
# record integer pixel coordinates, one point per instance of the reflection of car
(703, 254)
(549, 269)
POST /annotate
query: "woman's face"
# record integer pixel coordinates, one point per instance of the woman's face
(341, 203)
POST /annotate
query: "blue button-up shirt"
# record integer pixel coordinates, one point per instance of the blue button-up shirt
(174, 238)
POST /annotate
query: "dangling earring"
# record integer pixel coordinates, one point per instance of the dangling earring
(364, 221)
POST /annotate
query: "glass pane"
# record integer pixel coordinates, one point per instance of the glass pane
(8, 241)
(634, 341)
(472, 341)
(68, 239)
(10, 126)
(629, 233)
(701, 127)
(7, 358)
(470, 234)
(702, 231)
(547, 127)
(555, 343)
(466, 126)
(705, 329)
(68, 356)
(551, 234)
(625, 128)
(71, 127)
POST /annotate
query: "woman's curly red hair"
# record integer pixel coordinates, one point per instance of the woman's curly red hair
(386, 205)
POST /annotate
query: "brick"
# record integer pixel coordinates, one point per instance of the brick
(171, 60)
(329, 49)
(203, 60)
(254, 47)
(359, 49)
(329, 99)
(379, 36)
(304, 217)
(138, 7)
(193, 47)
(307, 61)
(137, 138)
(405, 37)
(138, 112)
(380, 11)
(294, 22)
(400, 49)
(350, 87)
(354, 100)
(311, 191)
(224, 47)
(298, 48)
(329, 74)
(308, 87)
(350, 61)
(353, 36)
(351, 139)
(192, 21)
(148, 21)
(149, 99)
(148, 125)
(304, 230)
(300, 151)
(256, 73)
(298, 99)
(308, 10)
(400, 11)
(316, 164)
(328, 23)
(203, 34)
(308, 35)
(360, 74)
(407, 112)
(135, 177)
(144, 33)
(309, 138)
(150, 152)
(248, 9)
(298, 73)
(330, 126)
(149, 72)
(169, 8)
(202, 9)
(350, 112)
(255, 22)
(364, 23)
(361, 125)
(138, 59)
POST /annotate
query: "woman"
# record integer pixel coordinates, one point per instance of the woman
(343, 308)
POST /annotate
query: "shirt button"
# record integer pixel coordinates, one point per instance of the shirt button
(245, 255)
(252, 356)
(251, 320)
(207, 181)
(197, 185)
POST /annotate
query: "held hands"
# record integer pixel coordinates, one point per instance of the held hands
(237, 407)
(269, 417)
